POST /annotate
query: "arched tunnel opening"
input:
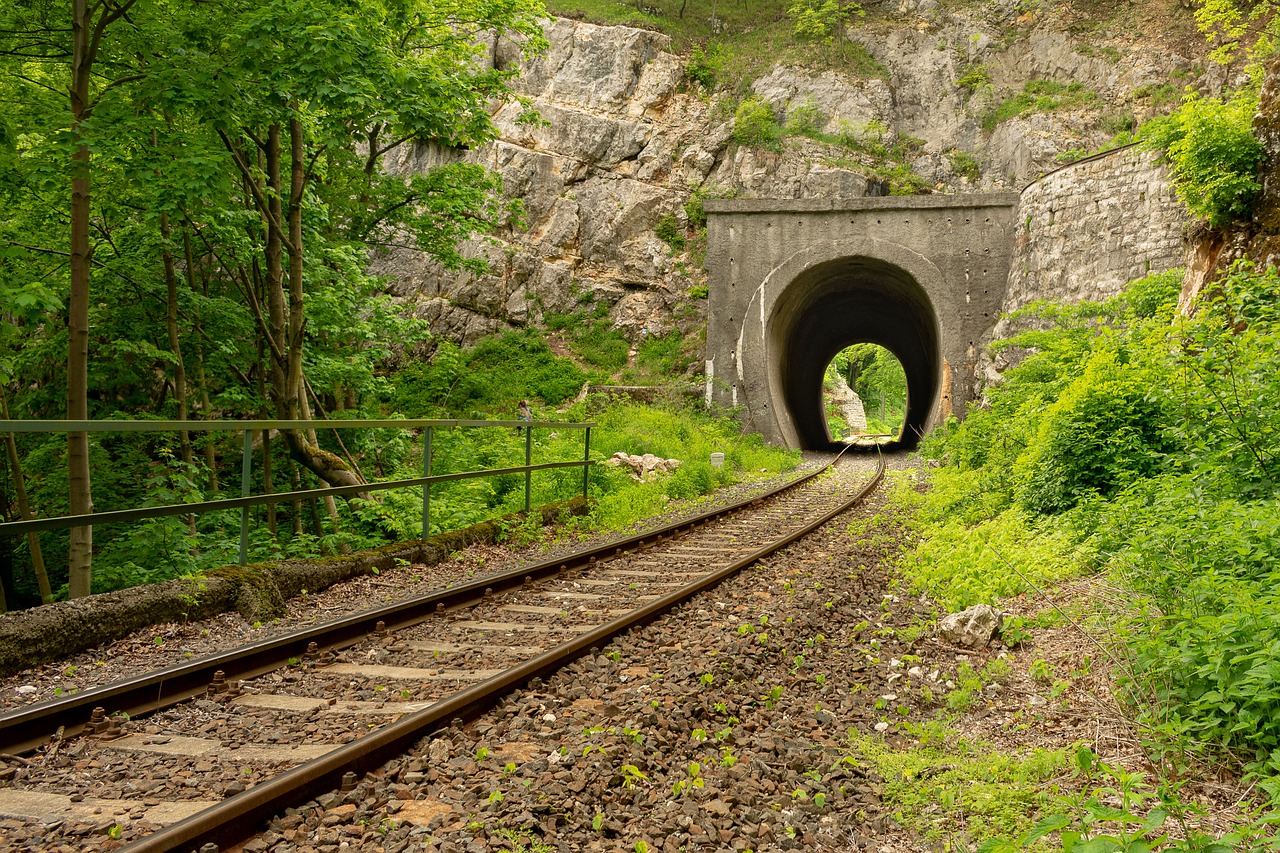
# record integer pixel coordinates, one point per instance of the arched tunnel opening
(848, 301)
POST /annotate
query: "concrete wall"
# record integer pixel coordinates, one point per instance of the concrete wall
(956, 248)
(1078, 233)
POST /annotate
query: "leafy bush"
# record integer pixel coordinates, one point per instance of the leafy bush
(1213, 154)
(1146, 443)
(965, 164)
(973, 79)
(664, 356)
(959, 566)
(669, 231)
(592, 338)
(806, 119)
(755, 125)
(492, 377)
(1106, 429)
(705, 66)
(821, 20)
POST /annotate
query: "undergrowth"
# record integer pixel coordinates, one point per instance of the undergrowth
(1141, 444)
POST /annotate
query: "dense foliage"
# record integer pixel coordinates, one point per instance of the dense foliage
(191, 195)
(878, 379)
(1212, 152)
(1147, 444)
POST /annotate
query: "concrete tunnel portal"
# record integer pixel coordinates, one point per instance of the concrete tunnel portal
(848, 301)
(791, 282)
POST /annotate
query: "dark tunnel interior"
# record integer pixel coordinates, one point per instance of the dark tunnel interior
(844, 302)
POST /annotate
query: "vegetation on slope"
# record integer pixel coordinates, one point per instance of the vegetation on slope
(486, 381)
(1143, 445)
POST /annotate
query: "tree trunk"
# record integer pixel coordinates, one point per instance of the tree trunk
(80, 558)
(24, 509)
(291, 388)
(277, 312)
(210, 453)
(171, 324)
(297, 505)
(268, 487)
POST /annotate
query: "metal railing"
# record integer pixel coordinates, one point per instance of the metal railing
(251, 428)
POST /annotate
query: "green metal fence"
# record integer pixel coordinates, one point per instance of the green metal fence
(251, 428)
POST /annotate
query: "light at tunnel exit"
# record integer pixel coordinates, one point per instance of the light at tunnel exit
(864, 394)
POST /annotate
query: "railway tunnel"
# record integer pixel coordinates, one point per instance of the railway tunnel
(792, 282)
(849, 301)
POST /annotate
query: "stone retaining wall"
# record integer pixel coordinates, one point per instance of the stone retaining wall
(1086, 229)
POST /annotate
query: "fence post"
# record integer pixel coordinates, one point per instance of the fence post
(528, 460)
(586, 461)
(426, 487)
(246, 468)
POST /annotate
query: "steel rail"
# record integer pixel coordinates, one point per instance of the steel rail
(239, 816)
(26, 729)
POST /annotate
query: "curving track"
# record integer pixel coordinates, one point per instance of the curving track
(322, 707)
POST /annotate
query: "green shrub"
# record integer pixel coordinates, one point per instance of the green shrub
(1148, 444)
(755, 125)
(1105, 430)
(669, 231)
(806, 119)
(965, 164)
(959, 566)
(1212, 153)
(705, 66)
(491, 377)
(664, 356)
(974, 78)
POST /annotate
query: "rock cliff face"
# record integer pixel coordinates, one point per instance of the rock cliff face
(625, 140)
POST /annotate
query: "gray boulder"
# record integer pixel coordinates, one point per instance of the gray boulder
(972, 628)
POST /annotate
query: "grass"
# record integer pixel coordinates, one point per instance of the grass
(1039, 96)
(945, 774)
(591, 337)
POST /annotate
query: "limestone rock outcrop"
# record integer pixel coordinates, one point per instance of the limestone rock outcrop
(643, 467)
(625, 139)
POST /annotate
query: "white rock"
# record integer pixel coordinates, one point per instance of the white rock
(26, 690)
(882, 727)
(972, 628)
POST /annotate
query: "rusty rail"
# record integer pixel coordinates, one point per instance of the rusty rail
(237, 817)
(28, 728)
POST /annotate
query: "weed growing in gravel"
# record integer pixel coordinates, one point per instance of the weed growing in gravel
(968, 686)
(523, 841)
(926, 786)
(632, 776)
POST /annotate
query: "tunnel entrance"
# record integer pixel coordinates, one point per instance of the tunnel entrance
(864, 395)
(839, 303)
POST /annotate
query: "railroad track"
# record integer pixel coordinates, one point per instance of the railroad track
(357, 692)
